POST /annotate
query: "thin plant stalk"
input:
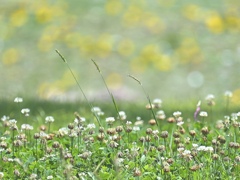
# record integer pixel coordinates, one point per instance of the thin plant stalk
(147, 95)
(109, 92)
(78, 84)
(111, 95)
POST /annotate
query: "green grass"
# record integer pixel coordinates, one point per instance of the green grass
(111, 154)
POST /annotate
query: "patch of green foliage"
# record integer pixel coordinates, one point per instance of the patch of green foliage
(76, 147)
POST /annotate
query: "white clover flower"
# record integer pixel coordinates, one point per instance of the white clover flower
(209, 148)
(43, 134)
(138, 118)
(91, 126)
(155, 132)
(1, 175)
(33, 176)
(63, 131)
(5, 118)
(95, 109)
(18, 100)
(10, 159)
(161, 114)
(26, 127)
(204, 148)
(12, 122)
(234, 116)
(73, 134)
(157, 102)
(136, 128)
(25, 111)
(122, 115)
(180, 123)
(98, 111)
(50, 177)
(110, 119)
(3, 138)
(203, 114)
(180, 150)
(195, 145)
(186, 152)
(210, 97)
(119, 161)
(49, 119)
(128, 123)
(238, 114)
(177, 114)
(228, 94)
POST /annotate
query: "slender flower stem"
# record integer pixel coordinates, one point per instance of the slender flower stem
(147, 95)
(89, 104)
(109, 92)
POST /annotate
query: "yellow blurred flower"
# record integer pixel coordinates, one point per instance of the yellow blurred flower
(18, 17)
(104, 45)
(113, 7)
(189, 51)
(10, 56)
(45, 43)
(235, 100)
(114, 80)
(132, 16)
(126, 47)
(192, 12)
(59, 87)
(44, 14)
(72, 39)
(139, 65)
(215, 23)
(153, 22)
(164, 63)
(87, 45)
(233, 23)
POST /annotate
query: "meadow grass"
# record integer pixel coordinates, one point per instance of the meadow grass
(119, 140)
(77, 148)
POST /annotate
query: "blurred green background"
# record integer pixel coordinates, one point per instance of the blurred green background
(178, 49)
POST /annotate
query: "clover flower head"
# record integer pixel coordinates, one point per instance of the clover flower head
(98, 111)
(110, 120)
(49, 119)
(177, 114)
(228, 94)
(157, 103)
(18, 100)
(180, 123)
(195, 145)
(122, 115)
(205, 148)
(136, 128)
(155, 132)
(5, 118)
(161, 114)
(1, 175)
(12, 122)
(91, 126)
(26, 127)
(50, 177)
(25, 111)
(128, 123)
(210, 97)
(203, 114)
(63, 131)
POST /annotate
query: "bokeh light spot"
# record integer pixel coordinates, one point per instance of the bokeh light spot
(195, 79)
